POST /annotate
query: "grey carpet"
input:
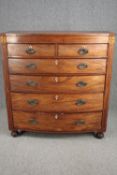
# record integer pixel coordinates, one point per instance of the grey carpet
(44, 154)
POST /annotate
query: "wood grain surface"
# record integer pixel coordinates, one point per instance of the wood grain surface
(56, 66)
(57, 84)
(39, 49)
(93, 50)
(57, 81)
(57, 102)
(57, 121)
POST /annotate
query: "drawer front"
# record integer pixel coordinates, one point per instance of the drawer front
(56, 121)
(83, 51)
(57, 84)
(29, 51)
(57, 102)
(34, 66)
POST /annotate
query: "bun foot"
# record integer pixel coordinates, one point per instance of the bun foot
(17, 133)
(99, 135)
(20, 132)
(14, 133)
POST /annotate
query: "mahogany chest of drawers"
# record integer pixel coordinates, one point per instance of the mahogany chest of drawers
(57, 82)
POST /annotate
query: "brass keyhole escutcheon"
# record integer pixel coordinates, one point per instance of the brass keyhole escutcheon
(56, 116)
(56, 79)
(56, 97)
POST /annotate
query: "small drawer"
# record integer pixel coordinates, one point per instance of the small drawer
(57, 102)
(31, 50)
(57, 66)
(57, 84)
(82, 50)
(60, 122)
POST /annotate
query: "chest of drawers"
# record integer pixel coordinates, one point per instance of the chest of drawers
(57, 82)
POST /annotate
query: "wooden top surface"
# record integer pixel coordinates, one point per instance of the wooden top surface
(58, 33)
(56, 37)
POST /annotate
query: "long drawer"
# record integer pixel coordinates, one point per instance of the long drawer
(57, 121)
(76, 84)
(35, 66)
(57, 102)
(29, 51)
(83, 50)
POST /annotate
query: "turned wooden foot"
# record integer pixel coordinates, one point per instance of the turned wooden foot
(17, 133)
(20, 132)
(99, 135)
(14, 133)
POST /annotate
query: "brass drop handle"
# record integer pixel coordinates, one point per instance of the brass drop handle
(81, 84)
(30, 50)
(82, 51)
(31, 83)
(33, 121)
(79, 122)
(80, 102)
(82, 66)
(31, 66)
(33, 102)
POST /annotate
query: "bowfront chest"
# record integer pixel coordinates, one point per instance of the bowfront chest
(57, 82)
